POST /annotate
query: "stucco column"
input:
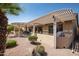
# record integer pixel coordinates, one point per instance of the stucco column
(19, 32)
(54, 33)
(14, 30)
(33, 30)
(27, 29)
(54, 30)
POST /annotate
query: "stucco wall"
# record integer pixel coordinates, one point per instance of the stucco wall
(67, 26)
(46, 40)
(64, 42)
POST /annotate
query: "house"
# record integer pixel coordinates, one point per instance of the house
(60, 24)
(19, 28)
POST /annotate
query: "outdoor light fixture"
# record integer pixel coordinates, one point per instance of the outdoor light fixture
(54, 18)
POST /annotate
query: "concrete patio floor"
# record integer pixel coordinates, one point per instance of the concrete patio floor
(24, 48)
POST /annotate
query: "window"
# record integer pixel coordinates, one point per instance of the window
(50, 28)
(59, 26)
(40, 30)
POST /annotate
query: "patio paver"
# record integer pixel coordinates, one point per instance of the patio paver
(24, 48)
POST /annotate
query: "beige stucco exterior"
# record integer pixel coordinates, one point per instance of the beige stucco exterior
(64, 42)
(68, 25)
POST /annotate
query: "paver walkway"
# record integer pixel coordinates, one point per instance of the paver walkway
(24, 48)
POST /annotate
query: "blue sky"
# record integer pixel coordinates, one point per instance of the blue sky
(31, 11)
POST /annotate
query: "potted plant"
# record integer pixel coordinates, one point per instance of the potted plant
(39, 51)
(33, 38)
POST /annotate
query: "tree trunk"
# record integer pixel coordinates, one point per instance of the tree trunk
(3, 32)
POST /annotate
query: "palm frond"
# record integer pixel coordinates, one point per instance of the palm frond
(10, 8)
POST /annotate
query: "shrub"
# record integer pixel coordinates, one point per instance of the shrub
(32, 38)
(39, 51)
(11, 43)
(10, 28)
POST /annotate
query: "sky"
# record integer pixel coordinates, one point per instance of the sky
(31, 11)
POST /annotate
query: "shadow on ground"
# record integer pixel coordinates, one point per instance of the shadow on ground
(36, 43)
(11, 47)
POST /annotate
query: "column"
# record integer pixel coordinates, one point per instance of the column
(14, 30)
(33, 30)
(19, 32)
(54, 33)
(27, 29)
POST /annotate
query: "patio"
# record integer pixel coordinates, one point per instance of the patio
(24, 47)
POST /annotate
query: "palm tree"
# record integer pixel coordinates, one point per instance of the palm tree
(6, 8)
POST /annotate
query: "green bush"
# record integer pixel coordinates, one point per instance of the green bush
(10, 28)
(11, 43)
(39, 51)
(33, 38)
